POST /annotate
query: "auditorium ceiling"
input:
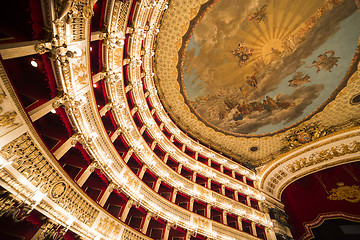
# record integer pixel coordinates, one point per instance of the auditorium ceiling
(257, 79)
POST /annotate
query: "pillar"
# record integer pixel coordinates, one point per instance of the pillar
(105, 109)
(18, 49)
(253, 228)
(209, 183)
(126, 210)
(224, 217)
(142, 129)
(236, 195)
(64, 147)
(166, 158)
(146, 223)
(248, 201)
(188, 235)
(97, 77)
(133, 111)
(222, 189)
(239, 220)
(42, 110)
(95, 36)
(115, 135)
(191, 205)
(128, 155)
(142, 171)
(194, 177)
(153, 145)
(270, 234)
(128, 88)
(179, 168)
(157, 185)
(173, 197)
(167, 231)
(221, 168)
(86, 174)
(208, 210)
(183, 147)
(106, 194)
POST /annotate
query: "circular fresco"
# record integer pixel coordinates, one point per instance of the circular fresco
(255, 67)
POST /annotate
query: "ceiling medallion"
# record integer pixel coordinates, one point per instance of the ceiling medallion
(355, 99)
(347, 193)
(305, 134)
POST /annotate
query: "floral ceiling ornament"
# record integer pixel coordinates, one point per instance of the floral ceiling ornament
(243, 53)
(347, 193)
(302, 135)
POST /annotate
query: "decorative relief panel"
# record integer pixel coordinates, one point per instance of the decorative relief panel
(130, 180)
(324, 155)
(9, 119)
(28, 160)
(276, 176)
(201, 222)
(124, 9)
(130, 235)
(80, 70)
(109, 228)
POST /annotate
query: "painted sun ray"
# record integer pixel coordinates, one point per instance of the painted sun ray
(253, 44)
(256, 37)
(262, 31)
(276, 19)
(284, 13)
(269, 21)
(293, 24)
(291, 29)
(265, 26)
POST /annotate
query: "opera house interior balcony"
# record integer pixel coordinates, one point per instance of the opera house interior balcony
(180, 119)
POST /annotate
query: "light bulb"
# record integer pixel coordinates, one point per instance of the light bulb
(34, 63)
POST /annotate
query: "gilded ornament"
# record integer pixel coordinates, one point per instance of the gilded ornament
(347, 193)
(323, 156)
(7, 119)
(305, 134)
(58, 190)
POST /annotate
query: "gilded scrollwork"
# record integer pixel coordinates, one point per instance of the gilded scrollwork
(315, 158)
(323, 155)
(131, 181)
(80, 71)
(347, 193)
(13, 208)
(69, 9)
(201, 223)
(29, 161)
(7, 118)
(109, 228)
(305, 134)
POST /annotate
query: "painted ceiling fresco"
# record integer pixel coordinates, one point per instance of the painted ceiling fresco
(255, 67)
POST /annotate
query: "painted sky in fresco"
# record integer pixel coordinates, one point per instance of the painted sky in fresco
(254, 67)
